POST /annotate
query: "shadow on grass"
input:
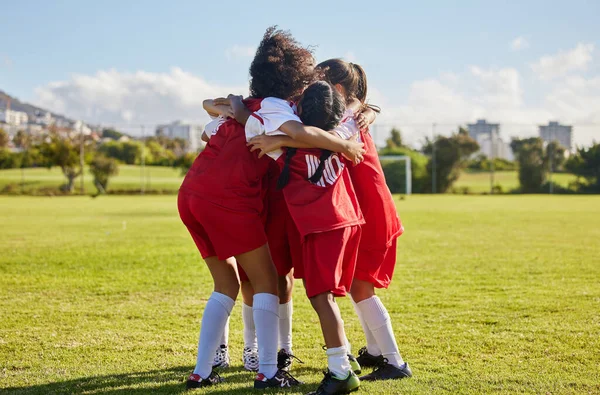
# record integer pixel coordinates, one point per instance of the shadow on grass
(166, 381)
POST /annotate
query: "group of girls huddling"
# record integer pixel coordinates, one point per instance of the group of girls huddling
(290, 186)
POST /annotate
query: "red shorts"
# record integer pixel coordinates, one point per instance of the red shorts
(218, 231)
(285, 242)
(329, 260)
(377, 265)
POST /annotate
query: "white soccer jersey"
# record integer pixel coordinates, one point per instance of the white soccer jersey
(348, 127)
(268, 119)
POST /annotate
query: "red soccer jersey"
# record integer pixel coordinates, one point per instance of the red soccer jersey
(329, 204)
(226, 173)
(376, 202)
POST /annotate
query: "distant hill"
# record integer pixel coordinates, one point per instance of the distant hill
(17, 105)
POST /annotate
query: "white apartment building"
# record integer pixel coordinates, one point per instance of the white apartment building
(15, 118)
(557, 132)
(181, 130)
(490, 143)
(43, 118)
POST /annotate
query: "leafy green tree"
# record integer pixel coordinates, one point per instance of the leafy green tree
(451, 154)
(22, 140)
(64, 153)
(4, 138)
(102, 168)
(395, 140)
(535, 161)
(112, 134)
(586, 164)
(128, 152)
(159, 155)
(184, 162)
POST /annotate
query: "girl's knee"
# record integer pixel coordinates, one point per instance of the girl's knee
(361, 290)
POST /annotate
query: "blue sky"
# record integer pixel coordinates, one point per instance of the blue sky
(428, 61)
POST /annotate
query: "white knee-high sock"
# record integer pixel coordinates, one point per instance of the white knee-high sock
(372, 347)
(285, 326)
(337, 362)
(380, 324)
(249, 328)
(225, 337)
(266, 319)
(215, 316)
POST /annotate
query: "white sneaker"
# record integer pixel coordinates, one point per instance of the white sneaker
(250, 359)
(221, 357)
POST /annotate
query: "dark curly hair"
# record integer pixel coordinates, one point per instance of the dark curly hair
(281, 68)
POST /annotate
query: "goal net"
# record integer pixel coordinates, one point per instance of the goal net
(398, 175)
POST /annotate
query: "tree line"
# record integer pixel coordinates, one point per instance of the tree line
(435, 167)
(63, 150)
(440, 162)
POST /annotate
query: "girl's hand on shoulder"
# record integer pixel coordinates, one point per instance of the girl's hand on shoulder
(264, 143)
(224, 110)
(354, 150)
(361, 121)
(236, 102)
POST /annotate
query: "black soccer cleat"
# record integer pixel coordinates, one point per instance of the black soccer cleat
(285, 359)
(195, 381)
(331, 385)
(387, 371)
(354, 364)
(282, 379)
(367, 360)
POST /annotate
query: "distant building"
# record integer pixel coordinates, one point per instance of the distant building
(15, 118)
(80, 127)
(180, 130)
(499, 149)
(557, 132)
(490, 143)
(43, 118)
(482, 128)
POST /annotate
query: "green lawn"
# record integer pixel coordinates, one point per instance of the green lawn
(168, 180)
(479, 182)
(492, 294)
(129, 178)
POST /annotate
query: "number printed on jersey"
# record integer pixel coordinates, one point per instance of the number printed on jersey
(331, 171)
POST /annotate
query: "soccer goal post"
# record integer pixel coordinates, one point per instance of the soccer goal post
(398, 177)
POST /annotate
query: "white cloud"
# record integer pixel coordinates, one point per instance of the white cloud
(564, 62)
(449, 99)
(240, 51)
(112, 97)
(498, 88)
(492, 94)
(519, 43)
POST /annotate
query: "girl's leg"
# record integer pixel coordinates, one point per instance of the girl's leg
(360, 291)
(377, 320)
(216, 313)
(286, 286)
(247, 317)
(265, 305)
(250, 352)
(333, 332)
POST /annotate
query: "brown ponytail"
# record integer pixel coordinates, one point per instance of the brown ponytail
(361, 91)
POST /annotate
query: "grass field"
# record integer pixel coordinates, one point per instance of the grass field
(491, 295)
(168, 179)
(129, 178)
